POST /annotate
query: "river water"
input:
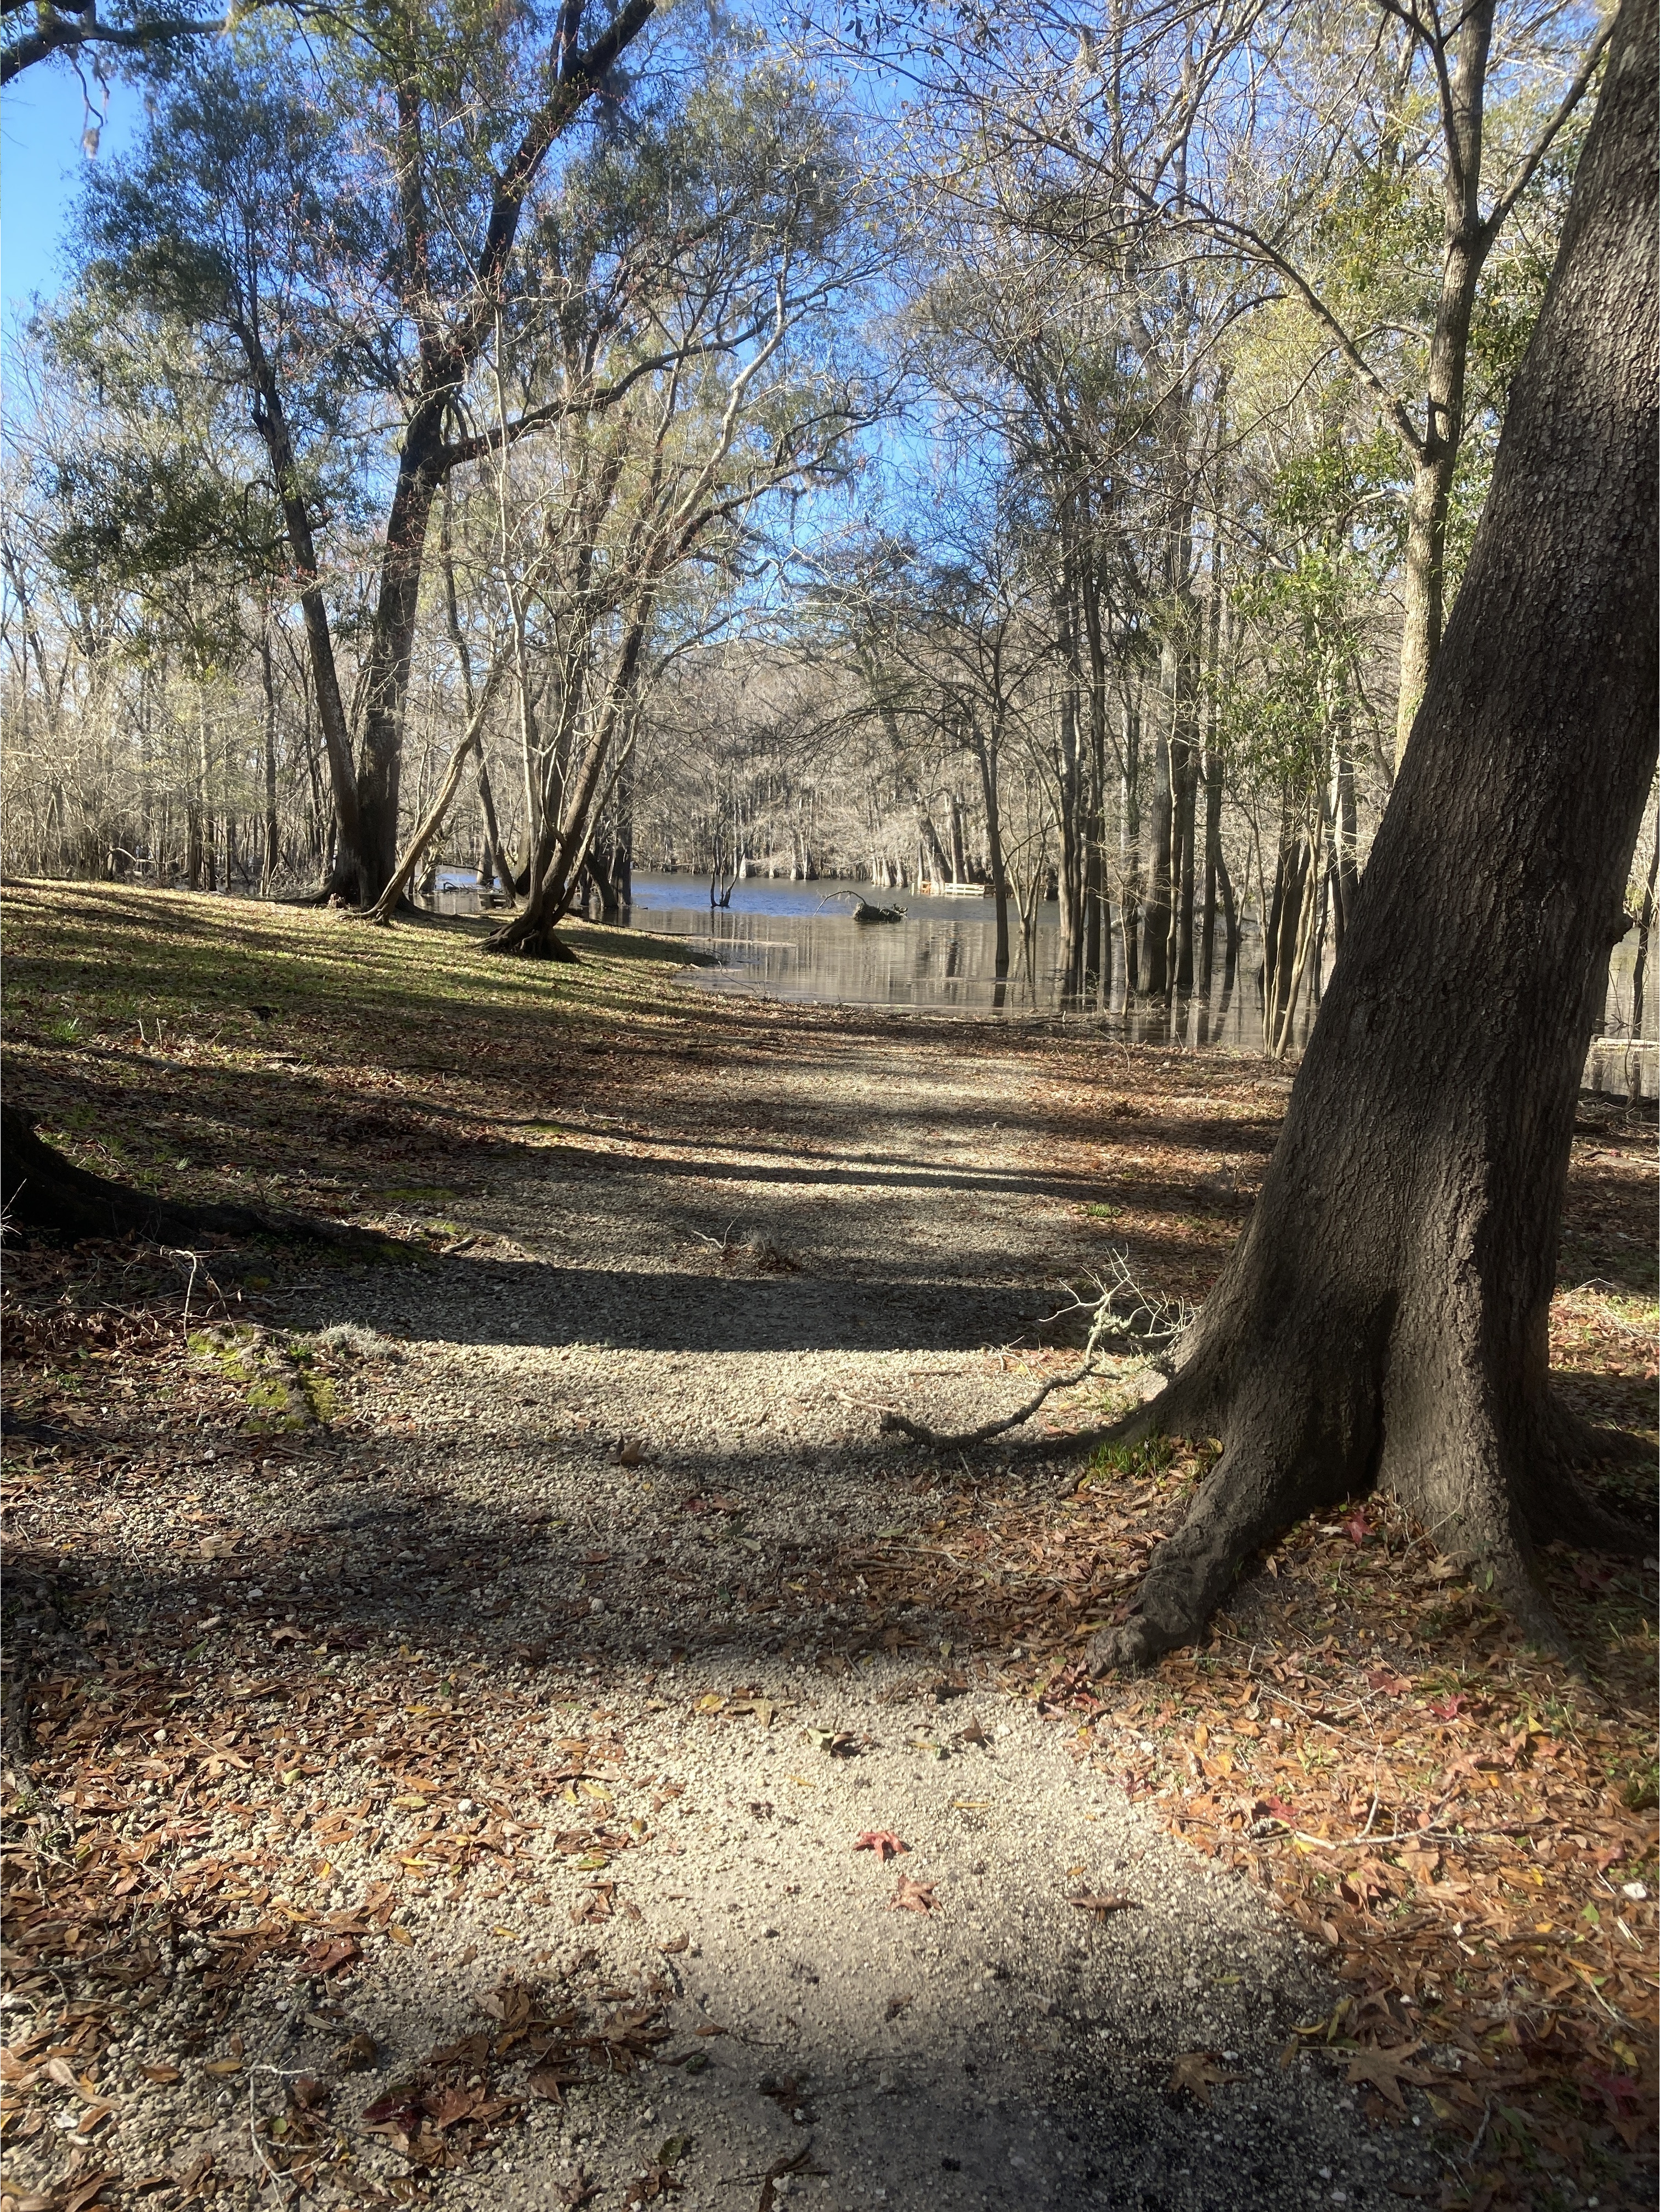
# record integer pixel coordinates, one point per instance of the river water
(798, 941)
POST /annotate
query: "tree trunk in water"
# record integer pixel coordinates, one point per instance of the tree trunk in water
(1383, 1319)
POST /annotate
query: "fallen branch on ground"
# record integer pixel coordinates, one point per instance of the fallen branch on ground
(1119, 1308)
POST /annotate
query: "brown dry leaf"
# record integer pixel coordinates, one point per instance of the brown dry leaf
(162, 2075)
(895, 2007)
(1387, 2070)
(551, 2079)
(883, 1841)
(675, 1945)
(1196, 2073)
(1098, 1903)
(84, 2193)
(655, 2182)
(331, 1952)
(355, 2055)
(912, 1896)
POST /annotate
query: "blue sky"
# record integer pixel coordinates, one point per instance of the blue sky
(42, 117)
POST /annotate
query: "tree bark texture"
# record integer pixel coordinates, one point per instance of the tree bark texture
(1383, 1321)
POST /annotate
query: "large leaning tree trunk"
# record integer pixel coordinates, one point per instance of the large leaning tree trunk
(1382, 1320)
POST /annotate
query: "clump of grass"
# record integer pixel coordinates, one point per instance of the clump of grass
(1139, 1462)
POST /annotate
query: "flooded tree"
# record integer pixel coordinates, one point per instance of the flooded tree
(1383, 1319)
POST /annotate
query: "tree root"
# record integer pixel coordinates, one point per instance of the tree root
(534, 943)
(44, 1194)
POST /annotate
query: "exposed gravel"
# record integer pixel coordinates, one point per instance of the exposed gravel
(899, 1223)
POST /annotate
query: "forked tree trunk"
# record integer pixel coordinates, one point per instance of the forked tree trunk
(1383, 1319)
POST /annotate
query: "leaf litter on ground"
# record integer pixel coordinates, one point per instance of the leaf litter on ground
(1466, 1828)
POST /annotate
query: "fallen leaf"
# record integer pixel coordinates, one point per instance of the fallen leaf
(551, 2079)
(1196, 2073)
(355, 2055)
(328, 1955)
(397, 2111)
(1099, 1903)
(656, 2181)
(629, 1455)
(164, 2075)
(882, 1841)
(83, 2193)
(912, 1896)
(1387, 2070)
(895, 2007)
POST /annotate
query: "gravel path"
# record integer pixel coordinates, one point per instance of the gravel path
(626, 1430)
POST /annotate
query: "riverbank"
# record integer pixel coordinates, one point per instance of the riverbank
(448, 1694)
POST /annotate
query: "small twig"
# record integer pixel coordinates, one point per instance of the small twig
(280, 2181)
(195, 1259)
